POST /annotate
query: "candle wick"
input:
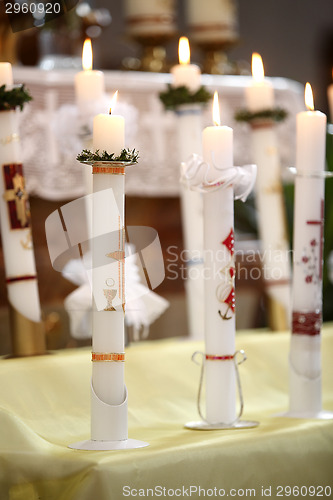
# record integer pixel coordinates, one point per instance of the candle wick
(110, 111)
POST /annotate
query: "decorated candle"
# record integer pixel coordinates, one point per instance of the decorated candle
(16, 235)
(259, 94)
(269, 199)
(89, 83)
(108, 280)
(217, 142)
(305, 364)
(184, 73)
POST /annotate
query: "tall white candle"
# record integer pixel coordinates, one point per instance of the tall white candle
(184, 73)
(89, 83)
(305, 363)
(108, 324)
(259, 94)
(150, 17)
(219, 273)
(19, 260)
(269, 197)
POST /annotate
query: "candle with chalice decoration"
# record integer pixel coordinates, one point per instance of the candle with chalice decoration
(25, 313)
(305, 395)
(220, 182)
(108, 161)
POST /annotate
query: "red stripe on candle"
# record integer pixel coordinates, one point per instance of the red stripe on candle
(306, 323)
(212, 357)
(14, 279)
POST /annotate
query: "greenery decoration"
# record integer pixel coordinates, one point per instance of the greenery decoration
(176, 96)
(126, 155)
(274, 114)
(10, 99)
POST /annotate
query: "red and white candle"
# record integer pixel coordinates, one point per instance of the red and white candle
(219, 275)
(305, 359)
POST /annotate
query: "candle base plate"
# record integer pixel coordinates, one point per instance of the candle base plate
(125, 444)
(317, 415)
(205, 426)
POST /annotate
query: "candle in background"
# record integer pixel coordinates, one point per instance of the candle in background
(259, 94)
(184, 73)
(212, 21)
(109, 131)
(89, 83)
(305, 358)
(20, 268)
(6, 74)
(148, 18)
(330, 99)
(269, 200)
(220, 326)
(108, 282)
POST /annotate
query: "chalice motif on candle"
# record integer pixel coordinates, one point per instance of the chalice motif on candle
(109, 294)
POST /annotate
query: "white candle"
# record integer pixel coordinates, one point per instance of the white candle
(259, 95)
(108, 132)
(150, 17)
(17, 244)
(184, 73)
(213, 21)
(108, 219)
(218, 256)
(89, 83)
(6, 74)
(305, 363)
(269, 197)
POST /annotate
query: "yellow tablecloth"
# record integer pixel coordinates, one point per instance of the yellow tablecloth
(44, 406)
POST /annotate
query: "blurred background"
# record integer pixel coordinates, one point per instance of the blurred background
(295, 40)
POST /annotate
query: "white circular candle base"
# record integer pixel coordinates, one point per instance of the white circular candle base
(205, 426)
(319, 415)
(90, 445)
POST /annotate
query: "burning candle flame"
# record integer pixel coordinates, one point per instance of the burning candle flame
(216, 110)
(113, 101)
(184, 50)
(308, 96)
(257, 68)
(87, 55)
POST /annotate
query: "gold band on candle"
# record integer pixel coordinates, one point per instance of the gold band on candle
(108, 170)
(108, 356)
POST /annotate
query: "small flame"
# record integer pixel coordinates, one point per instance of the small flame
(257, 68)
(308, 96)
(87, 55)
(113, 101)
(184, 50)
(216, 110)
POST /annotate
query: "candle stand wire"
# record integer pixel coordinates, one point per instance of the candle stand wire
(236, 423)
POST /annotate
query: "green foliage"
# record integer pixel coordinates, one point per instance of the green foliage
(10, 99)
(176, 96)
(126, 155)
(274, 114)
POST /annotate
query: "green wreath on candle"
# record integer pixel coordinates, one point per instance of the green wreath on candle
(176, 96)
(273, 114)
(16, 96)
(126, 155)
